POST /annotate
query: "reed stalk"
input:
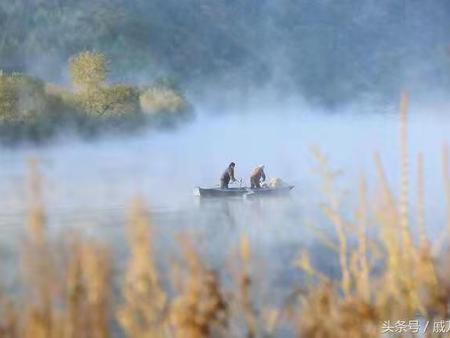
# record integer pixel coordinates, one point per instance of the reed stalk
(37, 265)
(362, 277)
(332, 210)
(245, 283)
(143, 313)
(200, 310)
(446, 180)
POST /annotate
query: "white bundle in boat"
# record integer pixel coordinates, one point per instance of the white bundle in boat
(276, 182)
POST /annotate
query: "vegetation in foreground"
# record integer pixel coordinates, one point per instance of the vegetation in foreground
(69, 287)
(33, 110)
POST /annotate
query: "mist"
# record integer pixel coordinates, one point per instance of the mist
(92, 183)
(325, 52)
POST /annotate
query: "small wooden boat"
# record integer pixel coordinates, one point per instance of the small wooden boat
(243, 191)
(269, 191)
(219, 192)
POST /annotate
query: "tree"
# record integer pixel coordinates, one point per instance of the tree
(109, 101)
(88, 70)
(160, 99)
(21, 96)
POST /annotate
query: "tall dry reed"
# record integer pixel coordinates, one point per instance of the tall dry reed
(144, 312)
(200, 309)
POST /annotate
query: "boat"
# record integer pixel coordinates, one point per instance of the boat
(243, 191)
(269, 191)
(219, 192)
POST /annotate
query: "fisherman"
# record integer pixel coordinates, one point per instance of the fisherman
(257, 175)
(227, 175)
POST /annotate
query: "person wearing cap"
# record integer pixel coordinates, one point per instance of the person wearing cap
(227, 175)
(257, 176)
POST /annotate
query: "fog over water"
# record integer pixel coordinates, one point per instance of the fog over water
(89, 183)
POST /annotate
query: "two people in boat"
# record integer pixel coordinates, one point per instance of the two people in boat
(256, 177)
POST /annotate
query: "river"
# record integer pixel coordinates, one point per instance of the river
(89, 185)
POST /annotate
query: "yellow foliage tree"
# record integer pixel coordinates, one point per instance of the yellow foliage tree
(110, 101)
(88, 70)
(21, 96)
(160, 99)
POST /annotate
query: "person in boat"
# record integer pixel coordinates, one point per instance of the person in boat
(227, 175)
(257, 177)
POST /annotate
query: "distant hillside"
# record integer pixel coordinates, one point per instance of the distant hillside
(328, 51)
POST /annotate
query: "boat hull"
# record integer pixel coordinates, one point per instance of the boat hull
(263, 192)
(218, 192)
(241, 192)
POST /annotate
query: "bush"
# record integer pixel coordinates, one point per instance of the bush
(88, 70)
(112, 101)
(21, 96)
(28, 111)
(159, 99)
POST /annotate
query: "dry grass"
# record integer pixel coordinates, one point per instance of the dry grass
(390, 274)
(144, 309)
(200, 309)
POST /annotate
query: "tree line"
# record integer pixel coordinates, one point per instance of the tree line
(328, 51)
(31, 109)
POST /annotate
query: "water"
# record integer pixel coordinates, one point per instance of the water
(89, 185)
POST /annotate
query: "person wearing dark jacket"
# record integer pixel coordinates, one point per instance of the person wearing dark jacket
(257, 175)
(227, 175)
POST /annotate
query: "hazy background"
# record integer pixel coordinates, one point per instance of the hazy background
(328, 52)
